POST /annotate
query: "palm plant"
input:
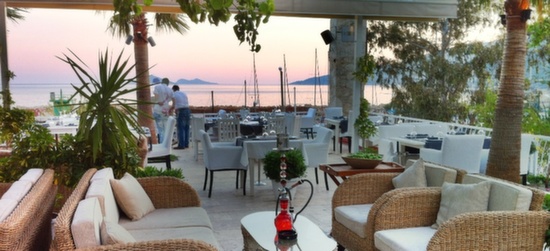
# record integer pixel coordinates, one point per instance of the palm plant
(124, 24)
(106, 118)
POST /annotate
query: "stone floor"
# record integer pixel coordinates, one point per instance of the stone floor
(228, 205)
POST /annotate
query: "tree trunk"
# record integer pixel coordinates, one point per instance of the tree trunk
(141, 55)
(504, 156)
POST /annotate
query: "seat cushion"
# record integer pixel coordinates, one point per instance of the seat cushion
(86, 223)
(410, 239)
(169, 218)
(113, 233)
(354, 217)
(131, 197)
(462, 198)
(413, 176)
(504, 196)
(101, 188)
(197, 233)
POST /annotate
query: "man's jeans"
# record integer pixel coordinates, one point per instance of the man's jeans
(160, 122)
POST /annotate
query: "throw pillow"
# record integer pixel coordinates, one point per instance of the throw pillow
(413, 176)
(113, 233)
(131, 197)
(462, 198)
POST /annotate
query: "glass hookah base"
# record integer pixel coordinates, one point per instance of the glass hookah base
(287, 235)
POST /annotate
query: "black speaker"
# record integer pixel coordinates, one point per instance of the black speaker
(327, 36)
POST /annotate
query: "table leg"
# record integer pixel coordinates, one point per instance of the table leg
(259, 182)
(251, 171)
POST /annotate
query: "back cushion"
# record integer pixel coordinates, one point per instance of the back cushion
(6, 208)
(504, 196)
(101, 188)
(87, 223)
(18, 190)
(105, 173)
(437, 175)
(32, 175)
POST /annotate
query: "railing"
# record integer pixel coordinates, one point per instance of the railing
(538, 165)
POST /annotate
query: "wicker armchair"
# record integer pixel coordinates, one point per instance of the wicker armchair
(371, 189)
(165, 192)
(490, 230)
(29, 225)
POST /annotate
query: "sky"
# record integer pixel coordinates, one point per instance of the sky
(211, 53)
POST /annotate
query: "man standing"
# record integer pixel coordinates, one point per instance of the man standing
(180, 104)
(161, 109)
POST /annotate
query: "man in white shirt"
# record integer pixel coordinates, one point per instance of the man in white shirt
(161, 109)
(180, 104)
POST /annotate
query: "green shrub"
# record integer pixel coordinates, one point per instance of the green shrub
(151, 171)
(546, 203)
(295, 161)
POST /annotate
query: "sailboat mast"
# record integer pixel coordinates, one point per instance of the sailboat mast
(245, 96)
(256, 89)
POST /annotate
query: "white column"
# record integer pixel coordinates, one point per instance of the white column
(360, 40)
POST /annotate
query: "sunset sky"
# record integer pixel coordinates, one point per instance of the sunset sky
(207, 52)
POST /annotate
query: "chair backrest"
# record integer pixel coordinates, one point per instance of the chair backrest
(169, 129)
(462, 151)
(228, 129)
(292, 124)
(324, 135)
(430, 129)
(308, 120)
(197, 124)
(526, 140)
(332, 112)
(276, 123)
(311, 112)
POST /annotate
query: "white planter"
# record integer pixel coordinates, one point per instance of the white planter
(276, 185)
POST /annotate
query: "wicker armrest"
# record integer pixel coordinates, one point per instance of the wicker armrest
(165, 245)
(170, 192)
(497, 230)
(362, 189)
(408, 207)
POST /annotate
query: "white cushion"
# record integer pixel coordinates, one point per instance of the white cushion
(6, 208)
(86, 222)
(101, 188)
(197, 233)
(113, 233)
(436, 175)
(32, 175)
(18, 190)
(462, 198)
(131, 197)
(169, 218)
(105, 173)
(413, 176)
(354, 217)
(409, 239)
(504, 196)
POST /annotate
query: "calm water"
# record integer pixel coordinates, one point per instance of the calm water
(38, 95)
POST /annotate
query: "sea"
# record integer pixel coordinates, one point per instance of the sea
(39, 95)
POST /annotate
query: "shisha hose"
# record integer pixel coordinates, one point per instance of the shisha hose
(290, 197)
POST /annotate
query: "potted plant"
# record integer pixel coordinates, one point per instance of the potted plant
(364, 126)
(367, 158)
(295, 162)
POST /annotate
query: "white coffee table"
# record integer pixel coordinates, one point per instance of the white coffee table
(259, 233)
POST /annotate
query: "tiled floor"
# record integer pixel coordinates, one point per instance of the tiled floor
(227, 205)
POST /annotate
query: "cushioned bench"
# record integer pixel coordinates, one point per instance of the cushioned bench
(26, 209)
(482, 213)
(156, 213)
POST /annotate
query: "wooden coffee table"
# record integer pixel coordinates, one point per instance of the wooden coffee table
(259, 233)
(344, 171)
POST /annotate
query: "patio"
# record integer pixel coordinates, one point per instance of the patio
(227, 205)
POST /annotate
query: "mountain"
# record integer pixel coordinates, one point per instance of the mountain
(182, 81)
(323, 80)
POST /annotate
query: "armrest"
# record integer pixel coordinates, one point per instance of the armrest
(170, 192)
(173, 244)
(409, 207)
(362, 189)
(497, 230)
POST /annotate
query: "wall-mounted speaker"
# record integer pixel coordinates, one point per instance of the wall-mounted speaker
(327, 36)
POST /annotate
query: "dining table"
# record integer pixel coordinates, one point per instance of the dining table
(255, 149)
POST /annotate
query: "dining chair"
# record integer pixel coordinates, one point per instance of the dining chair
(333, 112)
(317, 150)
(221, 157)
(292, 124)
(197, 124)
(307, 122)
(163, 150)
(276, 124)
(228, 129)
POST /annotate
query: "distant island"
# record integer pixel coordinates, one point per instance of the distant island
(182, 81)
(322, 80)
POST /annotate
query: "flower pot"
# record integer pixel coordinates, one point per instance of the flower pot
(358, 163)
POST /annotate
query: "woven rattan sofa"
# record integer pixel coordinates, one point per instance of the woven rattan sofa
(356, 202)
(177, 222)
(28, 225)
(513, 219)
